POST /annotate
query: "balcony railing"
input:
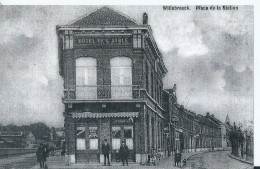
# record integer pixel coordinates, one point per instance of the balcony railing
(107, 92)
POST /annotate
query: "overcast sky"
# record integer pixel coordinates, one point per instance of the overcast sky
(208, 54)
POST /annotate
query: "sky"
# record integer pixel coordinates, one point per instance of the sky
(208, 54)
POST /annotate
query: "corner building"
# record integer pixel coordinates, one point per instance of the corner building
(112, 71)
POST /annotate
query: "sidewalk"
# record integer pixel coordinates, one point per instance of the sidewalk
(58, 162)
(17, 158)
(169, 161)
(250, 160)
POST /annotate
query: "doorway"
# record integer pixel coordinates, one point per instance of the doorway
(122, 133)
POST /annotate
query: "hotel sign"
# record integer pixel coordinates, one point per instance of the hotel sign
(86, 41)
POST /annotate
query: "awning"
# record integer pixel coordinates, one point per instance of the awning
(104, 115)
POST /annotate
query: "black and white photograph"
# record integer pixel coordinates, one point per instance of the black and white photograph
(127, 86)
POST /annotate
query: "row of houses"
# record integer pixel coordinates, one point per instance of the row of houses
(188, 131)
(113, 76)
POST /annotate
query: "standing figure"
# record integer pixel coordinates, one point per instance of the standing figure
(179, 157)
(105, 150)
(175, 158)
(46, 152)
(40, 155)
(124, 153)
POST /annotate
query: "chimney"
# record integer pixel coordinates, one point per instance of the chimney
(207, 114)
(145, 19)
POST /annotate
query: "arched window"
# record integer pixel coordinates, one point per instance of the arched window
(86, 78)
(121, 78)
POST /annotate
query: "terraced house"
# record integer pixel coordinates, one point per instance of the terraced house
(188, 131)
(112, 71)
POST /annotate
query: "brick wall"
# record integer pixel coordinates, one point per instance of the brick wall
(70, 136)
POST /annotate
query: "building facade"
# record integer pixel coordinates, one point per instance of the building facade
(113, 89)
(112, 71)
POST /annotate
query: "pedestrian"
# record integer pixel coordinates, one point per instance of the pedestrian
(175, 158)
(124, 153)
(46, 152)
(105, 151)
(40, 155)
(179, 157)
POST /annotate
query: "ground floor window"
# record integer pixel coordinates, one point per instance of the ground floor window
(120, 133)
(128, 135)
(116, 138)
(81, 143)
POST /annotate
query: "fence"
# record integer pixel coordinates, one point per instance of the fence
(4, 152)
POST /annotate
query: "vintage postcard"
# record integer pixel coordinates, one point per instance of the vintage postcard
(127, 86)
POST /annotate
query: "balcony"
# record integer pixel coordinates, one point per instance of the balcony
(99, 92)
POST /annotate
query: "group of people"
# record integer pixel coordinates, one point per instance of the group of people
(123, 152)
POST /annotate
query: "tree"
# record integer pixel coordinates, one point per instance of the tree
(40, 131)
(236, 138)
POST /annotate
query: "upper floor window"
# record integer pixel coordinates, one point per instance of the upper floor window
(68, 40)
(121, 78)
(147, 77)
(137, 39)
(86, 78)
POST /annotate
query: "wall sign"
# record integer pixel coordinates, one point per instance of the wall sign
(126, 120)
(88, 41)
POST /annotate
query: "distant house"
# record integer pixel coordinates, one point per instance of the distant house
(10, 139)
(29, 140)
(5, 143)
(16, 139)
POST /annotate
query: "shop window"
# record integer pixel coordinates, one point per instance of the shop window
(121, 78)
(81, 143)
(93, 138)
(116, 138)
(128, 135)
(86, 78)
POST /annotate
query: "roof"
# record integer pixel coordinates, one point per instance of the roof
(103, 17)
(104, 115)
(107, 18)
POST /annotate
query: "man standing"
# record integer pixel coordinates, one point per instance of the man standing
(40, 155)
(124, 153)
(105, 150)
(178, 157)
(175, 158)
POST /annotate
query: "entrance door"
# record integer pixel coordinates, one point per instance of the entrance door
(93, 144)
(122, 133)
(129, 140)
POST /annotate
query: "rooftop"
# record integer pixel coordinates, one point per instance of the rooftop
(104, 16)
